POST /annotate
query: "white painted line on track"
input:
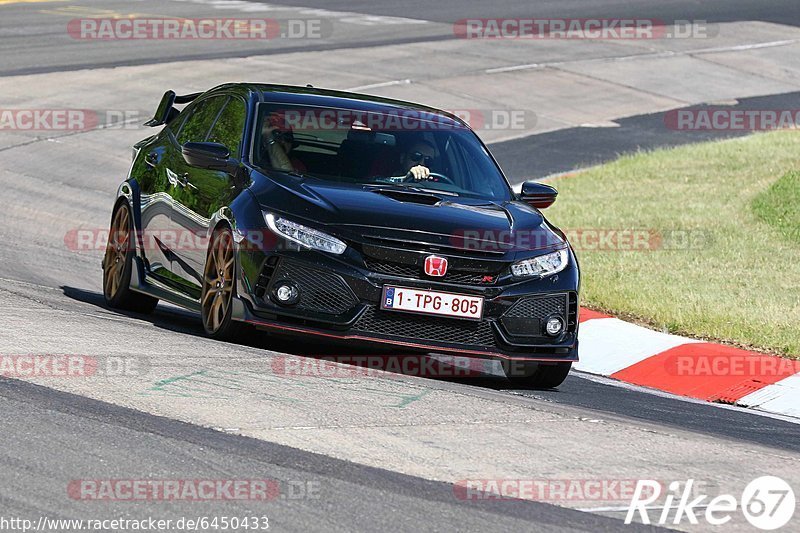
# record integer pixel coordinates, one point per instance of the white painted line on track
(622, 509)
(29, 284)
(740, 47)
(530, 66)
(379, 85)
(653, 55)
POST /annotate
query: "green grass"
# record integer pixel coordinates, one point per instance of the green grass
(740, 281)
(779, 206)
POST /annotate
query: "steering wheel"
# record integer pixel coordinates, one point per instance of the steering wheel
(442, 178)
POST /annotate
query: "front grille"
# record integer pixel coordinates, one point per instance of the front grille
(539, 307)
(320, 291)
(412, 272)
(425, 328)
(527, 316)
(393, 269)
(441, 246)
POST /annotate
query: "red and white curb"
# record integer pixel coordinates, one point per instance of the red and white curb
(687, 367)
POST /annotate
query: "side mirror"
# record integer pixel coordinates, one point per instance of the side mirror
(213, 156)
(538, 194)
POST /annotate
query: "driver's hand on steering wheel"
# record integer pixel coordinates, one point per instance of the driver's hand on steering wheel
(419, 173)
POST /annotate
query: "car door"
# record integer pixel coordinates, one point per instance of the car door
(155, 201)
(203, 192)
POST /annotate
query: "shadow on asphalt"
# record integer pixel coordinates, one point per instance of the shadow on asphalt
(577, 391)
(564, 150)
(179, 320)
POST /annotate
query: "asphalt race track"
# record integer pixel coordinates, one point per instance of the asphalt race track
(366, 453)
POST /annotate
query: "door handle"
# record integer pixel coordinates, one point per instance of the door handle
(184, 181)
(179, 180)
(175, 180)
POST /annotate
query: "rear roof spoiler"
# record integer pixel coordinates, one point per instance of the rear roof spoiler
(165, 112)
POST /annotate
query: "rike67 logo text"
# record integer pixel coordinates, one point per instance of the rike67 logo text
(768, 503)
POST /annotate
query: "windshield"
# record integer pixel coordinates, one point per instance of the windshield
(408, 149)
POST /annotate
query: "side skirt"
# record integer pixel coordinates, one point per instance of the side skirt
(141, 283)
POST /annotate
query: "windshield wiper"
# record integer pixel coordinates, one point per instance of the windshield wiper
(297, 174)
(411, 186)
(434, 191)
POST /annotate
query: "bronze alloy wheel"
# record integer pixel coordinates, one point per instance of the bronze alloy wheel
(218, 279)
(117, 266)
(116, 251)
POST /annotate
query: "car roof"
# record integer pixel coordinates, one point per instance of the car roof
(293, 94)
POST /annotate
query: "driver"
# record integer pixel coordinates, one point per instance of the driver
(417, 160)
(278, 143)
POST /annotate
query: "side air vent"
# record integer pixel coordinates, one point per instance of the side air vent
(266, 276)
(572, 312)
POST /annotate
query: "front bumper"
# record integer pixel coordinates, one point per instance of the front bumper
(342, 301)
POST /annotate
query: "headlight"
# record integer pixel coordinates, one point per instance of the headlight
(304, 236)
(541, 266)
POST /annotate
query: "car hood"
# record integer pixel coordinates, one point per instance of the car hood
(355, 212)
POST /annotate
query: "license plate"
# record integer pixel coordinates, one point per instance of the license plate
(432, 302)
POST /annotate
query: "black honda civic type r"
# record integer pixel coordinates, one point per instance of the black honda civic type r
(344, 216)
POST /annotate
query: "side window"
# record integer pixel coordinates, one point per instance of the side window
(229, 127)
(454, 157)
(196, 126)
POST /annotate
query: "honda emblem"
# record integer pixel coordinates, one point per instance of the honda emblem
(435, 266)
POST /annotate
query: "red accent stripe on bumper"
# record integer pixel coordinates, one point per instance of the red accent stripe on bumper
(427, 347)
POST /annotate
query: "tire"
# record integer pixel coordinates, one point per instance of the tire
(118, 264)
(536, 375)
(219, 287)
